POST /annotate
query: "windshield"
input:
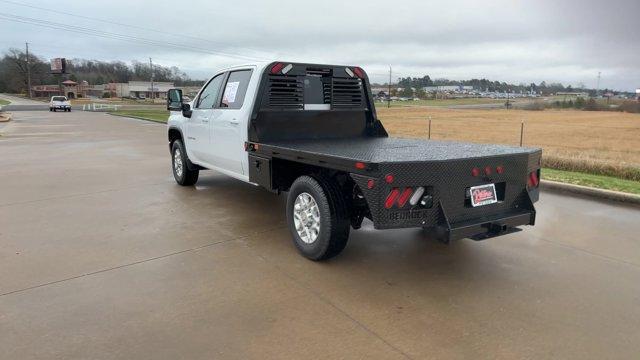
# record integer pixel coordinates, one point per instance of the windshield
(58, 98)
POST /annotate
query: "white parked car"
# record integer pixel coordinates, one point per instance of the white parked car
(59, 103)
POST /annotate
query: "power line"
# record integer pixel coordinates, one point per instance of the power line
(116, 36)
(163, 32)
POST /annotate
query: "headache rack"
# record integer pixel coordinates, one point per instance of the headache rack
(316, 88)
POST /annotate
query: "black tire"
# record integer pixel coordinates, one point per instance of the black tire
(50, 109)
(185, 177)
(69, 110)
(334, 233)
(55, 110)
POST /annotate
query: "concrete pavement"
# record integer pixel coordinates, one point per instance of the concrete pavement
(103, 256)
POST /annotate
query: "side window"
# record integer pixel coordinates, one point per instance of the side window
(235, 89)
(210, 93)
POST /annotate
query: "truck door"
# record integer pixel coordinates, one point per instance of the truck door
(198, 125)
(226, 136)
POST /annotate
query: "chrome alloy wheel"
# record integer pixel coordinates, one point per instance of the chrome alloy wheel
(177, 162)
(306, 217)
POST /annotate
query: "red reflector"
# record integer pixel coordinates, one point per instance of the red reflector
(389, 178)
(500, 169)
(359, 72)
(360, 165)
(276, 68)
(391, 198)
(371, 183)
(487, 170)
(406, 194)
(475, 172)
(533, 179)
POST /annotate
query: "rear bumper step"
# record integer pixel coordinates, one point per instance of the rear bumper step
(480, 229)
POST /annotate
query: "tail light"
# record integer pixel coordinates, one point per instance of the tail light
(532, 180)
(500, 169)
(475, 172)
(402, 200)
(391, 198)
(487, 170)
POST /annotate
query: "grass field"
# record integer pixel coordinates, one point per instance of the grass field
(598, 181)
(159, 115)
(599, 142)
(442, 102)
(4, 102)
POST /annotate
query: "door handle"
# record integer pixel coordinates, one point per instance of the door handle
(205, 121)
(234, 122)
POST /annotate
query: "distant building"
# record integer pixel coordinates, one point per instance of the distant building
(68, 88)
(139, 89)
(638, 94)
(453, 88)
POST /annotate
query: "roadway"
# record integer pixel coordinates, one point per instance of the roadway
(103, 256)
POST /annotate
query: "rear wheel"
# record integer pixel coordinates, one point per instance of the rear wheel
(317, 217)
(181, 172)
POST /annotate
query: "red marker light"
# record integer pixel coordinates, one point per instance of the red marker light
(532, 181)
(371, 183)
(360, 165)
(475, 172)
(359, 72)
(389, 178)
(276, 68)
(499, 169)
(487, 170)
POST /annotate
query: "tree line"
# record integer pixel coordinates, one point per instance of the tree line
(13, 72)
(544, 88)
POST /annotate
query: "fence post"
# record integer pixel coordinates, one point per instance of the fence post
(521, 133)
(429, 136)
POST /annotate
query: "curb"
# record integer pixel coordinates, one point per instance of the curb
(592, 192)
(137, 117)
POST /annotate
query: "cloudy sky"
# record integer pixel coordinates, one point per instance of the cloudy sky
(514, 41)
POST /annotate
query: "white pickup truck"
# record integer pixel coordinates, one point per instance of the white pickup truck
(59, 103)
(312, 131)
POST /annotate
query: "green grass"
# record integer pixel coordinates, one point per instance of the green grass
(4, 102)
(151, 115)
(444, 102)
(596, 181)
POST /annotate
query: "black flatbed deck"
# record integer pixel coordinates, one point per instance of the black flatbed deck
(387, 149)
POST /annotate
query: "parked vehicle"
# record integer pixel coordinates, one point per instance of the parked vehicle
(59, 103)
(312, 131)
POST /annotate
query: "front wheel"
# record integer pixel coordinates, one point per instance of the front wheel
(181, 172)
(317, 217)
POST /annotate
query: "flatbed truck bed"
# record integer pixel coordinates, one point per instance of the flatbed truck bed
(311, 131)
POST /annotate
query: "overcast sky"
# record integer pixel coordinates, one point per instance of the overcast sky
(514, 41)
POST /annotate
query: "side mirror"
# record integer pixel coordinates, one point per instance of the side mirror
(186, 110)
(174, 100)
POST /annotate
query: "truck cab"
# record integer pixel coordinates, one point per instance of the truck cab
(311, 131)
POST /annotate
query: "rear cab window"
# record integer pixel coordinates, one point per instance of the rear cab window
(235, 89)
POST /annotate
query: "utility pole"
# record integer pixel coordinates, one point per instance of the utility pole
(389, 96)
(28, 70)
(598, 84)
(151, 67)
